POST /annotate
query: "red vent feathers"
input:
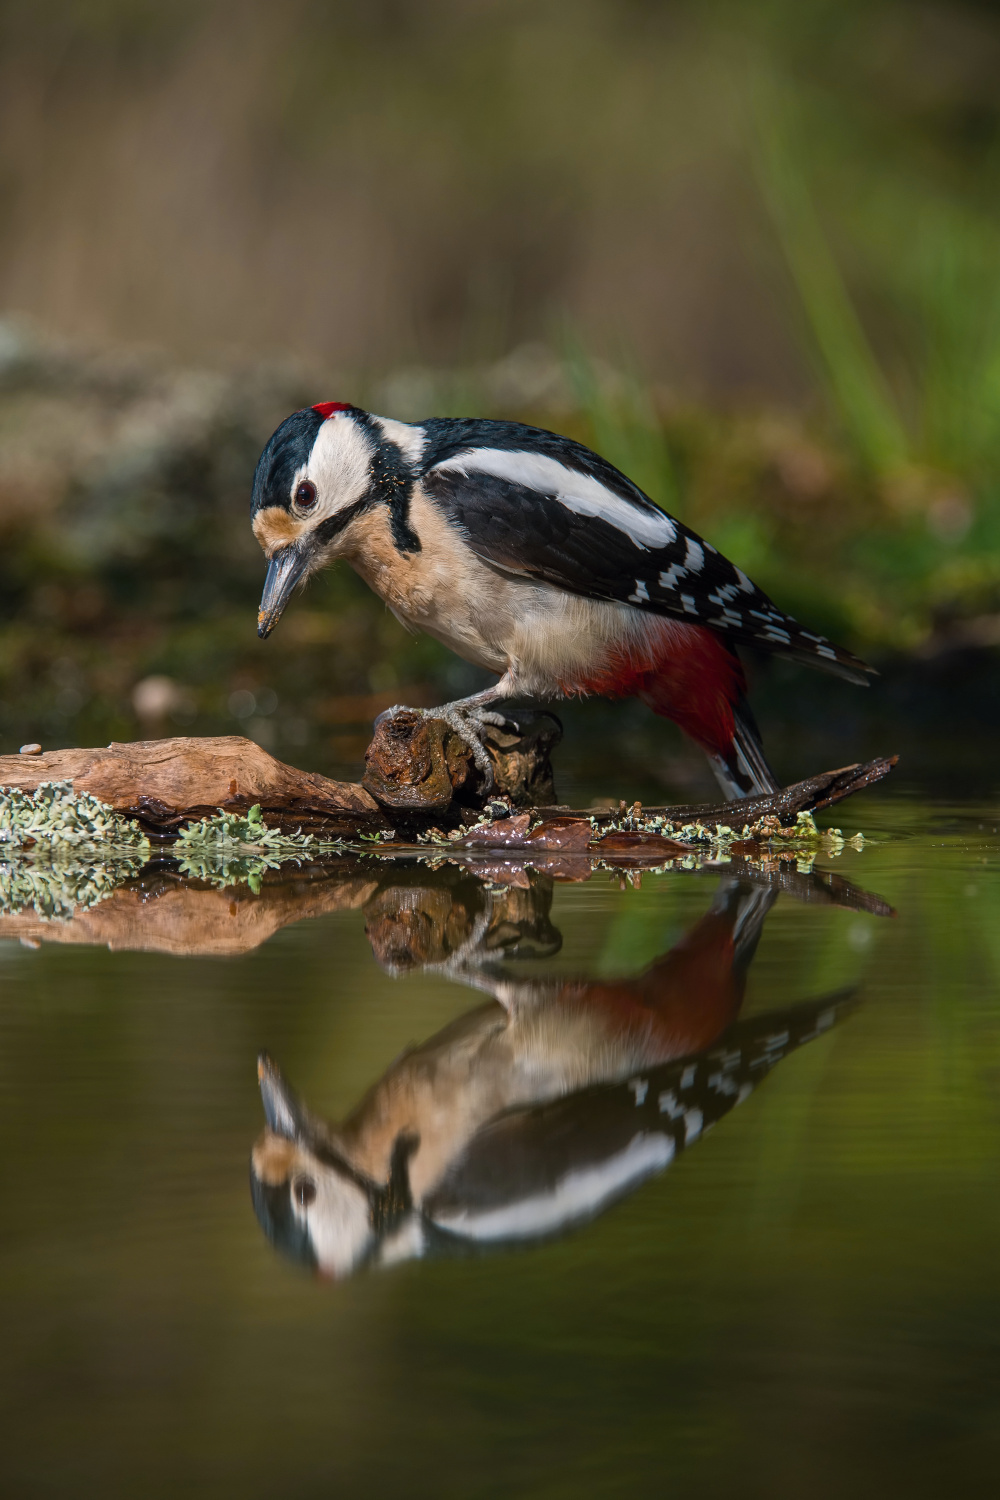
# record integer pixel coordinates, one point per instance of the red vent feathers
(327, 408)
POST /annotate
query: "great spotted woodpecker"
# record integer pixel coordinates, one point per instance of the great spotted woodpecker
(531, 556)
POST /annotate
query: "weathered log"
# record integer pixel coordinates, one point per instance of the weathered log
(812, 795)
(166, 783)
(419, 764)
(417, 768)
(418, 771)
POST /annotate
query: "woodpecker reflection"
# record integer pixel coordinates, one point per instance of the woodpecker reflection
(534, 1112)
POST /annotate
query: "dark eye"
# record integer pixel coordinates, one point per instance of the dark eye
(304, 1190)
(305, 495)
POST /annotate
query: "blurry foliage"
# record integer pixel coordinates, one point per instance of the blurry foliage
(692, 205)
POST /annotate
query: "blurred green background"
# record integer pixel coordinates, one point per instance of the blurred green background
(748, 251)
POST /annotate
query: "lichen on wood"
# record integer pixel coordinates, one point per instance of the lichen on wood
(106, 805)
(56, 814)
(229, 848)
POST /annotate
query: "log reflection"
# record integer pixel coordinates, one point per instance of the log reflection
(534, 1112)
(165, 911)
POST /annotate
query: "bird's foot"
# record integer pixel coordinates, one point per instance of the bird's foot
(470, 725)
(469, 721)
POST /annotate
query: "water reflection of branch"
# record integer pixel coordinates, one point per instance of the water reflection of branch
(163, 911)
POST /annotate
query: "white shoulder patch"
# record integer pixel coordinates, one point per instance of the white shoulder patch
(412, 440)
(338, 465)
(580, 493)
(580, 1194)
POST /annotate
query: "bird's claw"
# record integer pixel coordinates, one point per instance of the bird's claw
(469, 727)
(397, 708)
(468, 724)
(498, 721)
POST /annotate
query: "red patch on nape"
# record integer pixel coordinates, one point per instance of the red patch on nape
(327, 408)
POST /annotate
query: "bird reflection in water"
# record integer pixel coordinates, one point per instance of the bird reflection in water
(530, 1114)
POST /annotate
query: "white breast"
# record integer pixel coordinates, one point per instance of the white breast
(541, 636)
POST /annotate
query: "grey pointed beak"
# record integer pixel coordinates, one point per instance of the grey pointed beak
(283, 573)
(282, 1109)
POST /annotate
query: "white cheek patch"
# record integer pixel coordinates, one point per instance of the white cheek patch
(337, 1220)
(410, 440)
(580, 493)
(339, 466)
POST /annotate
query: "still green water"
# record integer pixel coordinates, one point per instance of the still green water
(769, 1271)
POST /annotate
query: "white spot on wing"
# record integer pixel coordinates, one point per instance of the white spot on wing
(580, 493)
(640, 1088)
(670, 578)
(690, 607)
(694, 558)
(722, 1083)
(641, 595)
(744, 581)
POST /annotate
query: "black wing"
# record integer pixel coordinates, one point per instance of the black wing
(544, 507)
(541, 1170)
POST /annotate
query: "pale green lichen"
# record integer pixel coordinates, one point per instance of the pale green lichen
(718, 836)
(235, 849)
(54, 815)
(63, 850)
(55, 888)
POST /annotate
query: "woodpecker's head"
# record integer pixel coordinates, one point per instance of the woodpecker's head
(312, 1202)
(321, 469)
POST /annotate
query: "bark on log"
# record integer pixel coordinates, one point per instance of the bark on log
(166, 783)
(417, 764)
(418, 771)
(812, 795)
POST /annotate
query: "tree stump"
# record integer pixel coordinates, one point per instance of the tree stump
(415, 763)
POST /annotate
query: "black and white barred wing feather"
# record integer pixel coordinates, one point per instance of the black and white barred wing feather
(539, 1171)
(541, 506)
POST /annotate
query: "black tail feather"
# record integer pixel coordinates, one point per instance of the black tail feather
(744, 771)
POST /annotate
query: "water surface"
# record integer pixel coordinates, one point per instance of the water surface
(788, 1287)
